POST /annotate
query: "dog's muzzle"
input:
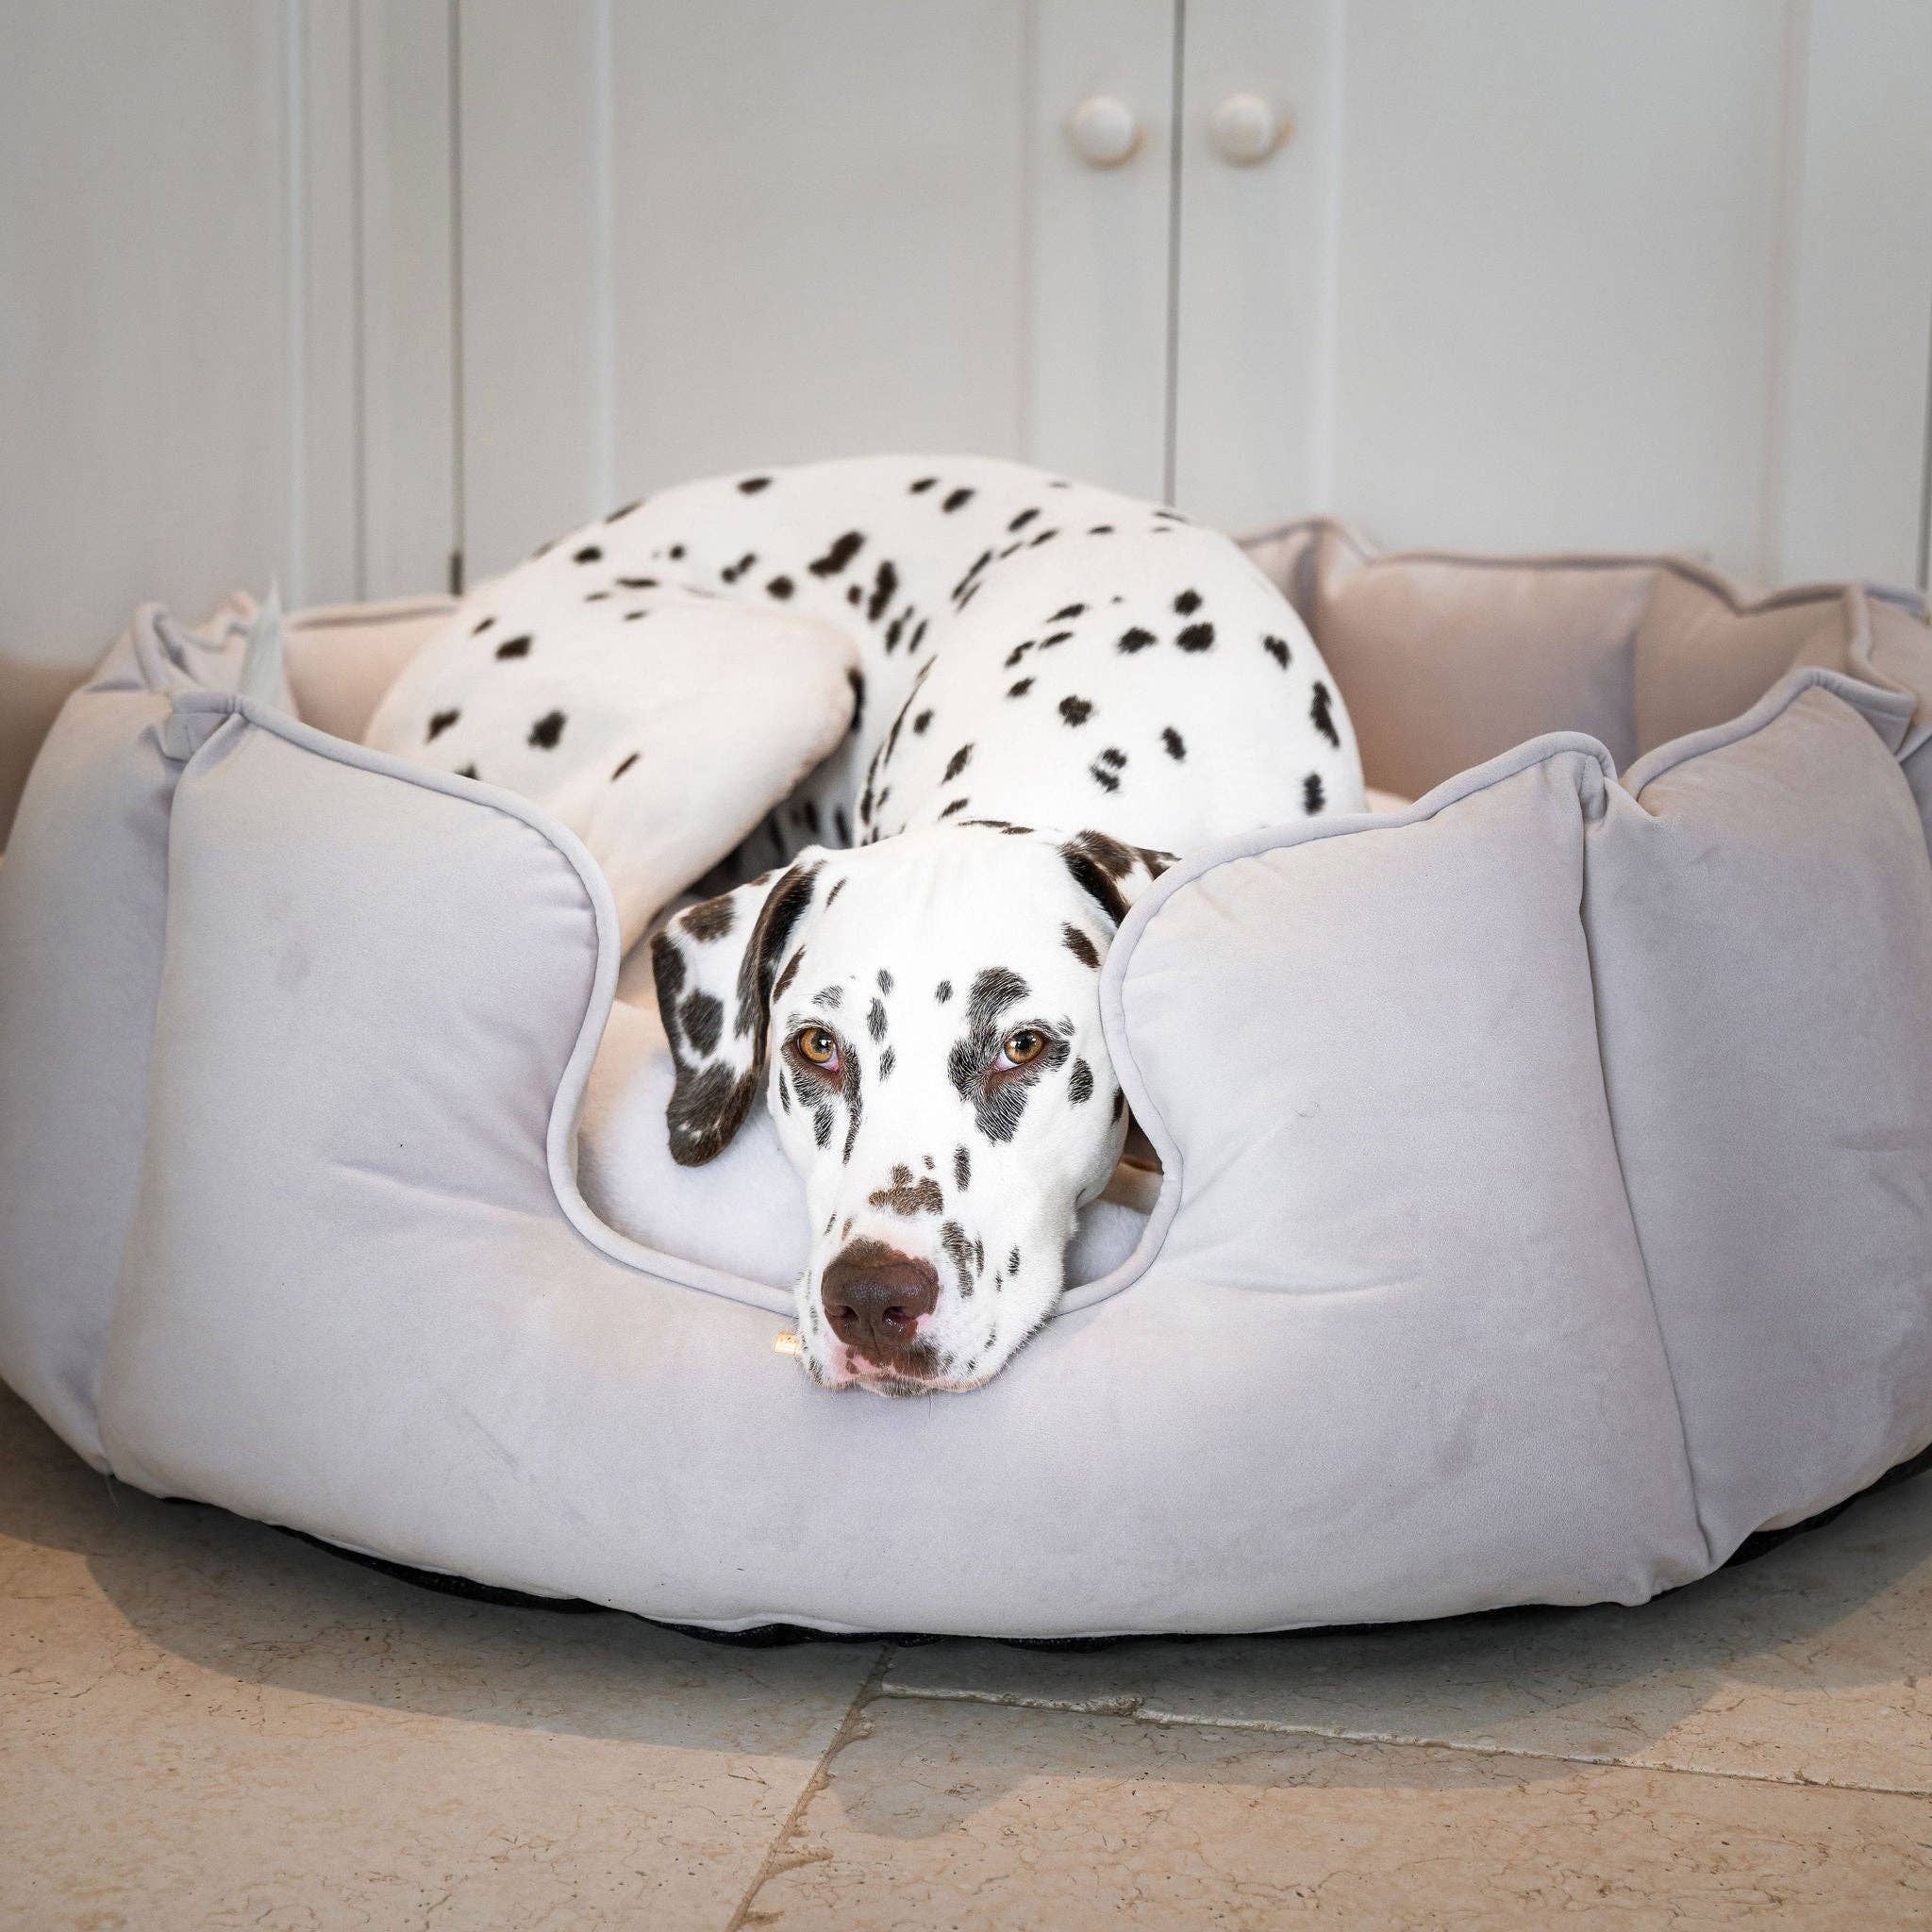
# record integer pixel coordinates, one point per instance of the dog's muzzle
(874, 1298)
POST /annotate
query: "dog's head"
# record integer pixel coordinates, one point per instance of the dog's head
(924, 1017)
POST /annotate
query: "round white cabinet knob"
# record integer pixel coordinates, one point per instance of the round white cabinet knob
(1245, 129)
(1103, 131)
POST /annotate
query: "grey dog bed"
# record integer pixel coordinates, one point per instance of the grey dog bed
(1548, 1197)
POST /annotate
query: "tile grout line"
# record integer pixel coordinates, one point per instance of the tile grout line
(772, 1865)
(1133, 1709)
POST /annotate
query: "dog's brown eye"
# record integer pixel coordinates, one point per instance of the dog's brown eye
(1028, 1044)
(817, 1045)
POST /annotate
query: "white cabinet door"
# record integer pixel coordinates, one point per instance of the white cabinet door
(704, 234)
(1529, 277)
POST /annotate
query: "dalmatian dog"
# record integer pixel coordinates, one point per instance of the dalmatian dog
(1053, 690)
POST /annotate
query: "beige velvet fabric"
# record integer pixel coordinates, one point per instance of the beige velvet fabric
(1548, 1163)
(1448, 659)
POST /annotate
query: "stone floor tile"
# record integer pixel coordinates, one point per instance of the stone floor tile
(1813, 1663)
(981, 1819)
(205, 1723)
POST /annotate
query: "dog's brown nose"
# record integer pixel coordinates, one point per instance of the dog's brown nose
(874, 1297)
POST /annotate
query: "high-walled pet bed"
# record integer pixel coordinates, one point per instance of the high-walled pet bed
(1548, 1198)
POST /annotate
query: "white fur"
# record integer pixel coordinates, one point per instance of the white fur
(1051, 657)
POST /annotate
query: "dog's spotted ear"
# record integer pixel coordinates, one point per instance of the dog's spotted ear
(714, 966)
(1111, 874)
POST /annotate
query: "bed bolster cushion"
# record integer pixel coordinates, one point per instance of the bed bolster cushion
(83, 901)
(1760, 918)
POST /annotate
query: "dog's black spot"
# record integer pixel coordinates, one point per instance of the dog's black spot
(469, 772)
(843, 827)
(1066, 615)
(920, 722)
(624, 768)
(514, 647)
(1101, 531)
(780, 588)
(849, 1084)
(854, 595)
(1278, 649)
(588, 554)
(997, 1104)
(876, 1020)
(1017, 652)
(1313, 797)
(1120, 1102)
(545, 732)
(623, 511)
(1077, 944)
(638, 583)
(1196, 637)
(888, 1060)
(1021, 689)
(732, 571)
(907, 1196)
(1113, 756)
(918, 638)
(597, 597)
(885, 585)
(893, 630)
(1095, 861)
(750, 485)
(958, 763)
(1135, 640)
(1013, 1260)
(1172, 744)
(957, 499)
(1323, 716)
(789, 973)
(1075, 710)
(703, 1015)
(667, 972)
(921, 486)
(1106, 780)
(710, 919)
(885, 979)
(822, 1125)
(1058, 636)
(838, 556)
(675, 552)
(944, 991)
(956, 805)
(960, 1252)
(784, 1093)
(1044, 537)
(706, 1110)
(476, 630)
(1020, 521)
(857, 683)
(962, 1168)
(1080, 1083)
(832, 996)
(1187, 603)
(439, 723)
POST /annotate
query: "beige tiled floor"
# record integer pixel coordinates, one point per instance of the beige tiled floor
(206, 1725)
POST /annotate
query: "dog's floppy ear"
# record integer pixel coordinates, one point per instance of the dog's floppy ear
(1111, 874)
(713, 966)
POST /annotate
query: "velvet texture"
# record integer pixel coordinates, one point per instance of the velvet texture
(1549, 1165)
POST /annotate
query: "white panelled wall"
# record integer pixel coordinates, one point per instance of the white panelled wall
(332, 291)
